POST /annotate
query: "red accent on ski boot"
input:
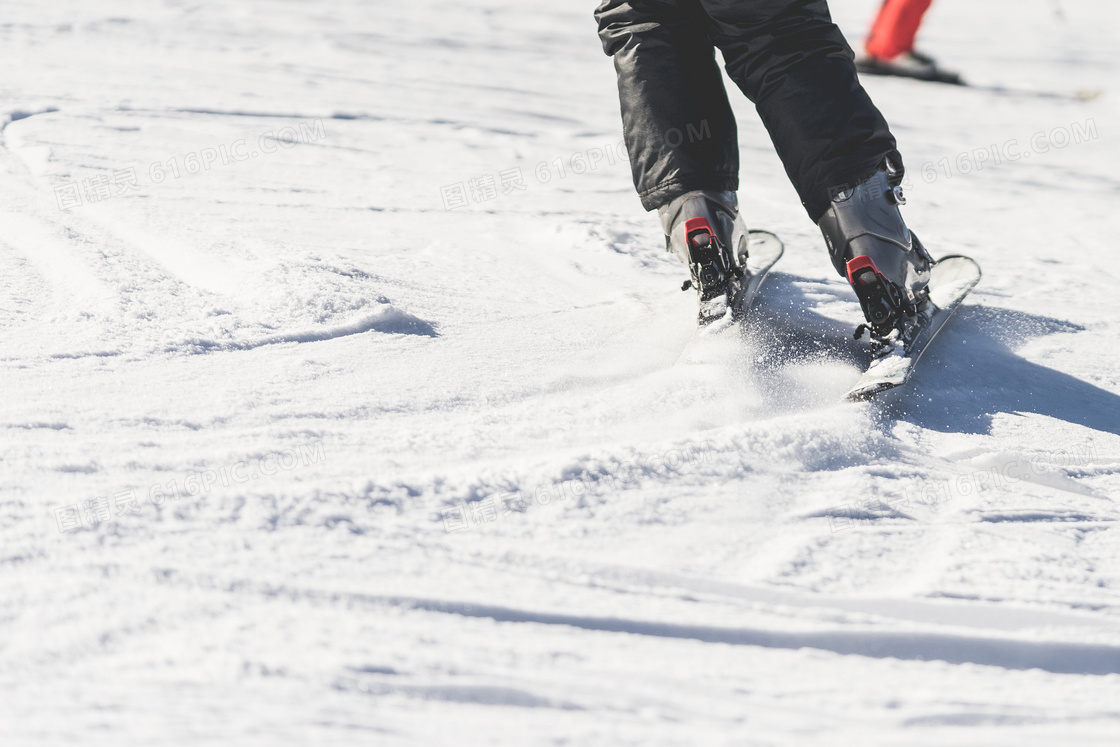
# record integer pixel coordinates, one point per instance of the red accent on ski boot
(876, 294)
(697, 225)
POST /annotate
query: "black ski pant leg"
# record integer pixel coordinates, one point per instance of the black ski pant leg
(677, 123)
(791, 60)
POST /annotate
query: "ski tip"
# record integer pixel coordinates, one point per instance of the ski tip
(758, 238)
(959, 259)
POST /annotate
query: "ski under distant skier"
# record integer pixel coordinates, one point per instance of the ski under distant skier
(890, 45)
(889, 50)
(791, 60)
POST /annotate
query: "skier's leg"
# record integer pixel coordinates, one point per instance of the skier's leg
(681, 137)
(895, 28)
(791, 60)
(890, 46)
(676, 120)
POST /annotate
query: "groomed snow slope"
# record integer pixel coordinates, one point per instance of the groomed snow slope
(292, 453)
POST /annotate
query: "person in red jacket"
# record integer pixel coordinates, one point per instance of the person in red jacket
(890, 45)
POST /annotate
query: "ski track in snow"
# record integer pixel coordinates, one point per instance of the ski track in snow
(412, 475)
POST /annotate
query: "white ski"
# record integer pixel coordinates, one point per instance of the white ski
(951, 279)
(764, 249)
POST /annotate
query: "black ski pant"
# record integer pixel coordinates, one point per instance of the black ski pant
(787, 56)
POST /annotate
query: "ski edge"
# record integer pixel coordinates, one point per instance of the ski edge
(758, 276)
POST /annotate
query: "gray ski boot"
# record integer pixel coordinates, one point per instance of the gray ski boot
(885, 263)
(704, 229)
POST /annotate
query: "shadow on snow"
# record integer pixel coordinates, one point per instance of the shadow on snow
(969, 374)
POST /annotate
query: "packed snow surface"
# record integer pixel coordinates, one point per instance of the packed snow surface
(349, 397)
